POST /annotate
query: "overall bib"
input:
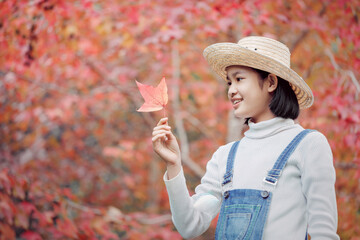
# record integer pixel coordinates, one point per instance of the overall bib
(244, 211)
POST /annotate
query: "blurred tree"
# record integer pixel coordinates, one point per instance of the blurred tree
(76, 157)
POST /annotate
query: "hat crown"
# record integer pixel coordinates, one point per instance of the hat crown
(267, 47)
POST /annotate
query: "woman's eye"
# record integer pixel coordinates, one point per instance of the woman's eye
(229, 83)
(239, 79)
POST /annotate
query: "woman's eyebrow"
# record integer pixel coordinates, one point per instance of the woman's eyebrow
(234, 74)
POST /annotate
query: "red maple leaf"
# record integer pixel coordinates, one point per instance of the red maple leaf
(155, 98)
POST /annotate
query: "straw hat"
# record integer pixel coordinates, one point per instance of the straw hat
(261, 53)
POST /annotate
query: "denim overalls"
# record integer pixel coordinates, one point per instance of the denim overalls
(244, 211)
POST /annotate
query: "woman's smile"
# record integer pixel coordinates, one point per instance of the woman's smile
(236, 102)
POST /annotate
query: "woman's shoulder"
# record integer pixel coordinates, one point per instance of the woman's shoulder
(315, 135)
(315, 141)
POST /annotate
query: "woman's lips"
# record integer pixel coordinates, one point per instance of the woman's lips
(236, 103)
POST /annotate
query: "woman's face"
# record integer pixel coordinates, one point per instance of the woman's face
(249, 94)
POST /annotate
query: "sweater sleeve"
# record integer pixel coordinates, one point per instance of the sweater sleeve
(318, 179)
(192, 215)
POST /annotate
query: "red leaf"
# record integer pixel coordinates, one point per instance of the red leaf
(5, 181)
(7, 210)
(30, 235)
(27, 207)
(155, 98)
(67, 193)
(68, 228)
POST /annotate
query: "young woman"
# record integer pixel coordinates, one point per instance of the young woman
(275, 183)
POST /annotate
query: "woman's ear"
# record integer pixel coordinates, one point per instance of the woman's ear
(273, 82)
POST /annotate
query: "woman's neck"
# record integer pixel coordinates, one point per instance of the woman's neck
(267, 116)
(268, 127)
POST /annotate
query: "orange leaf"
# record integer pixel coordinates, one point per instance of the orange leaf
(155, 98)
(6, 232)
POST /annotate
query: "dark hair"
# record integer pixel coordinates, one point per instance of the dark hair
(284, 102)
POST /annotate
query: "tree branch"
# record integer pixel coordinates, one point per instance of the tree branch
(42, 85)
(82, 207)
(179, 123)
(346, 165)
(198, 124)
(114, 214)
(304, 33)
(349, 73)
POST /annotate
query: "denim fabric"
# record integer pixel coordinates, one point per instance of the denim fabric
(244, 211)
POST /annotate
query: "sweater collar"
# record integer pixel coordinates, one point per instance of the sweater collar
(269, 127)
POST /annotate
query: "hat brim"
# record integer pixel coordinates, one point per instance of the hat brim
(221, 55)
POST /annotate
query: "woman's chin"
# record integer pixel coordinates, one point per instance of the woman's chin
(240, 115)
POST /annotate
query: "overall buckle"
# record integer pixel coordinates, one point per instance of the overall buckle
(269, 182)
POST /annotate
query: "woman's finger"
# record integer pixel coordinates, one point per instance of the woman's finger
(162, 127)
(162, 121)
(154, 133)
(158, 137)
(161, 131)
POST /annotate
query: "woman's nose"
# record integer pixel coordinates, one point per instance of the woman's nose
(232, 91)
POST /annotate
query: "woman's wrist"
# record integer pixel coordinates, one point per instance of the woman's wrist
(173, 170)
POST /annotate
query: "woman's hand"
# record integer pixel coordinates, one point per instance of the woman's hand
(166, 146)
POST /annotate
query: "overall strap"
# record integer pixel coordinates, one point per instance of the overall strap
(230, 164)
(274, 174)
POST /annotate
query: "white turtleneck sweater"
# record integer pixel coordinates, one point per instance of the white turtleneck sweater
(303, 200)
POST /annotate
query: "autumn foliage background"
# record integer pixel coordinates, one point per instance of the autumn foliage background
(76, 158)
